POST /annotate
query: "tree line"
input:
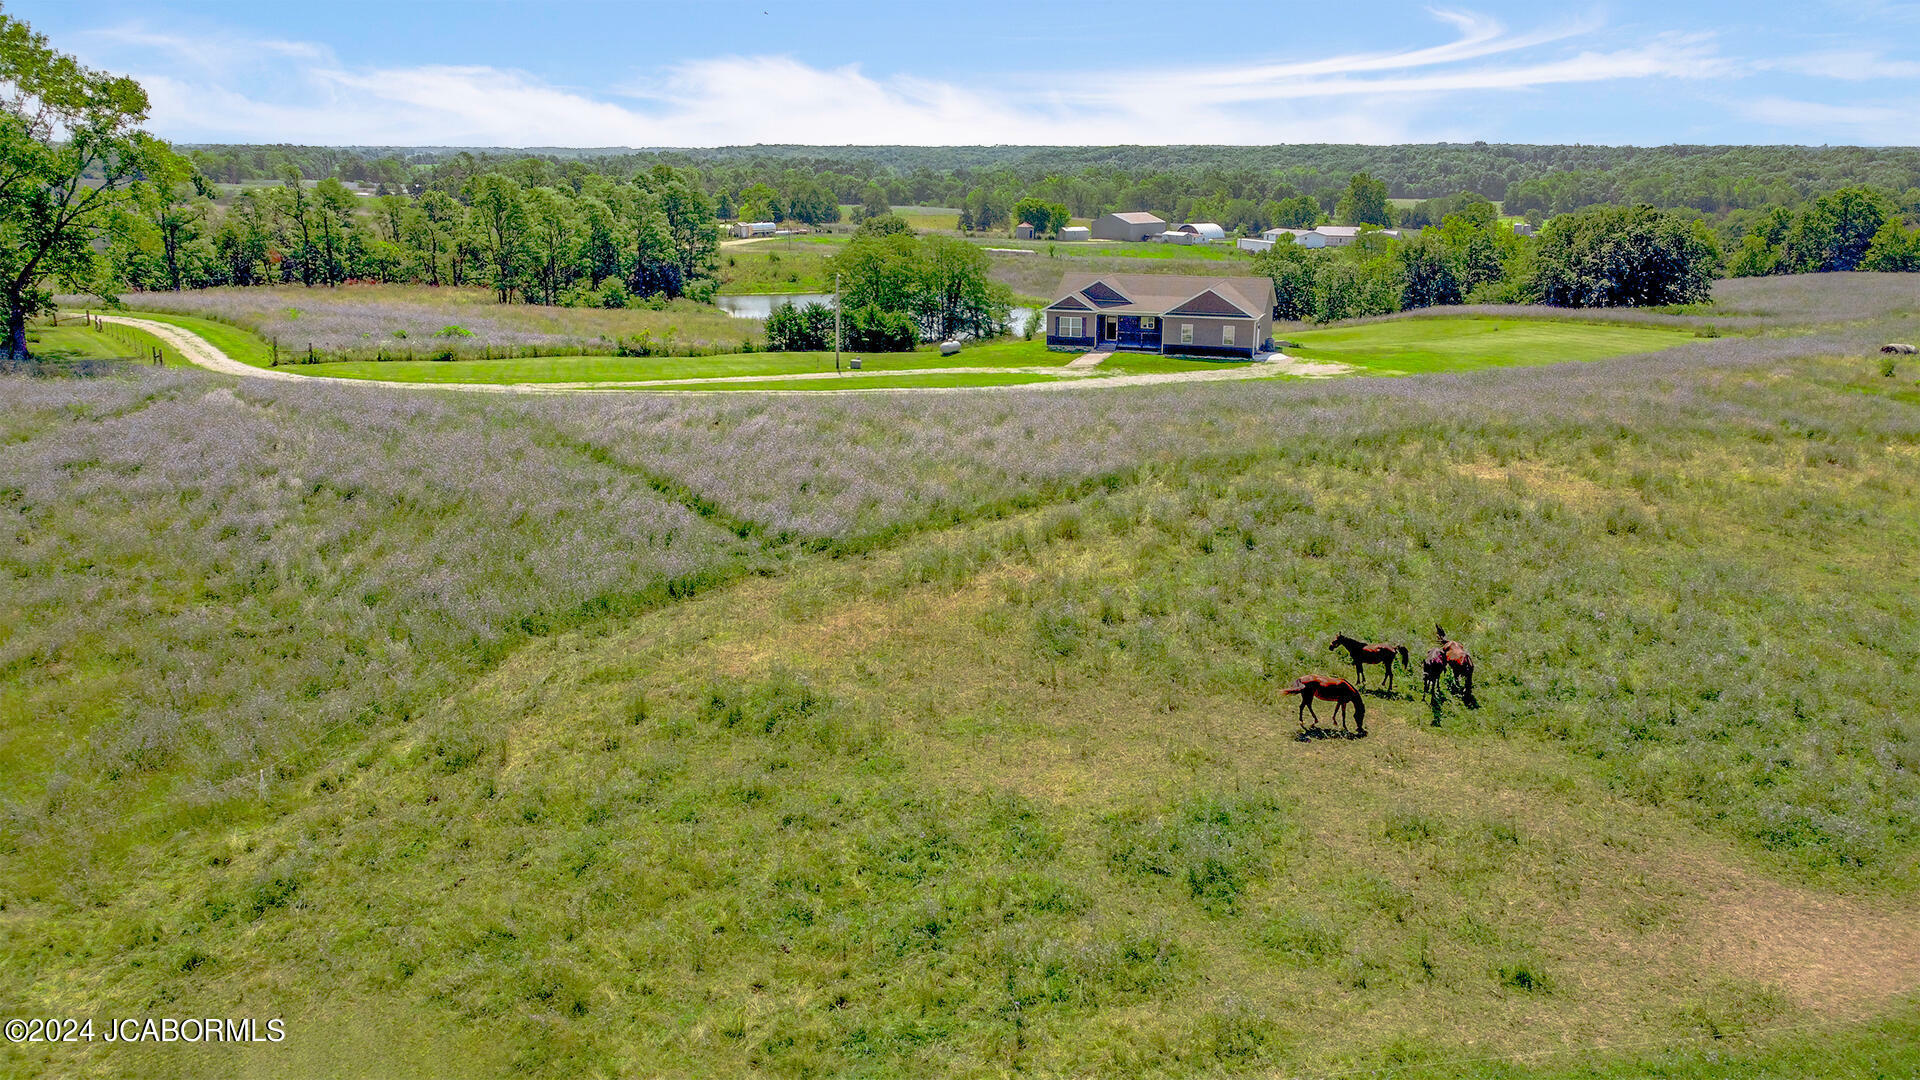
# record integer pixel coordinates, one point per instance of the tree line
(1193, 182)
(1597, 257)
(603, 242)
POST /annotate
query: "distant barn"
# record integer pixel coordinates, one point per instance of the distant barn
(1134, 225)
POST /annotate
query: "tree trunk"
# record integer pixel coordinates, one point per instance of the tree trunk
(16, 333)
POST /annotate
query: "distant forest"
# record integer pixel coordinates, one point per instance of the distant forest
(1528, 180)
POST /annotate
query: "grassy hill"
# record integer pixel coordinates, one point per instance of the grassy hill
(620, 736)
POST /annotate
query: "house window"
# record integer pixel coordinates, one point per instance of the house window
(1226, 336)
(1186, 333)
(1070, 326)
(1146, 322)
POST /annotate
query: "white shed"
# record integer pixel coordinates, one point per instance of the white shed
(1076, 232)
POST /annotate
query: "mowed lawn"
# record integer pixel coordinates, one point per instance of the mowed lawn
(849, 381)
(77, 342)
(1453, 343)
(1120, 249)
(1413, 346)
(567, 369)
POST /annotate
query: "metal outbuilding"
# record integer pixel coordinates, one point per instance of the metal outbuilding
(1128, 225)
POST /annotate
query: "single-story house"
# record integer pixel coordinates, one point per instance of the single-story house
(746, 229)
(1174, 314)
(1343, 235)
(1023, 231)
(1075, 232)
(1205, 230)
(1131, 225)
(1338, 235)
(1299, 235)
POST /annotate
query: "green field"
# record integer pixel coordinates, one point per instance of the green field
(1421, 345)
(1388, 347)
(876, 382)
(798, 265)
(78, 342)
(1222, 252)
(728, 735)
(636, 368)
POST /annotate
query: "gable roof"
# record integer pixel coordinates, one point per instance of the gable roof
(1139, 217)
(1162, 294)
(1104, 294)
(1208, 302)
(1071, 303)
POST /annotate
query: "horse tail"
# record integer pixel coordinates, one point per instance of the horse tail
(1296, 688)
(1406, 664)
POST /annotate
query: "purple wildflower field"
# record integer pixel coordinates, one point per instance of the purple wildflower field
(1747, 304)
(206, 575)
(263, 564)
(857, 469)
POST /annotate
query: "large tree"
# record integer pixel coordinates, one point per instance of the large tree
(72, 156)
(1365, 202)
(499, 222)
(1835, 230)
(1619, 256)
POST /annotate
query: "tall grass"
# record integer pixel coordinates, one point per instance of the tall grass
(1007, 796)
(202, 577)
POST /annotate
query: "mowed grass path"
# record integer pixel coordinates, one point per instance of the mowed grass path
(1451, 343)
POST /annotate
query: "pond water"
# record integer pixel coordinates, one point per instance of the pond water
(759, 307)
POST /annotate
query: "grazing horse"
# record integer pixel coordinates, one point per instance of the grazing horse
(1328, 688)
(1458, 662)
(1364, 654)
(1434, 666)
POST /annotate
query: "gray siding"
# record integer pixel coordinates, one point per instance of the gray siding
(1249, 335)
(1110, 227)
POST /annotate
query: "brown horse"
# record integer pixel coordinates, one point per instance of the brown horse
(1457, 660)
(1434, 666)
(1328, 688)
(1364, 654)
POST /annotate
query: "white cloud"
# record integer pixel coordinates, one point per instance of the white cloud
(203, 94)
(1873, 123)
(210, 52)
(1851, 65)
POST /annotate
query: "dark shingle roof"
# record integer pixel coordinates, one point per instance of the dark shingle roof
(1161, 294)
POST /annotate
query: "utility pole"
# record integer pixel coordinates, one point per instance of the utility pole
(836, 322)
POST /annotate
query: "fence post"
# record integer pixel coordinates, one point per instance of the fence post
(309, 352)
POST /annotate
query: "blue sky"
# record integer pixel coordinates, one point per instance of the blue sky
(472, 73)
